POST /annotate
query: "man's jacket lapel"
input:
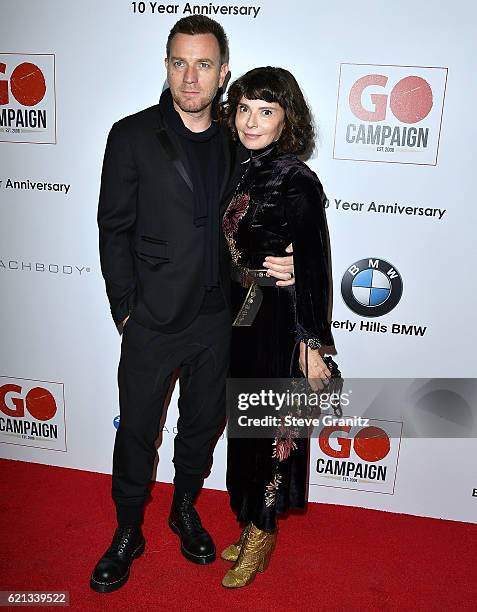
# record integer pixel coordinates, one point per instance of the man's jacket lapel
(173, 154)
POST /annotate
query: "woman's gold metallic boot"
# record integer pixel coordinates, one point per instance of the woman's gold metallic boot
(254, 557)
(232, 552)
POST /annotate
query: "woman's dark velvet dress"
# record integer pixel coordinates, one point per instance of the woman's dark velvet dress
(278, 201)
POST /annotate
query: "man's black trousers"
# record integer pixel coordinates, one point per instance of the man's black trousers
(148, 361)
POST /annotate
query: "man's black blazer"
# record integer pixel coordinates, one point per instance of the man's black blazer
(151, 252)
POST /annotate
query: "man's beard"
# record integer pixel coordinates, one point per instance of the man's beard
(188, 105)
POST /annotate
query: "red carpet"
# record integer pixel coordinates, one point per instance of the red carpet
(56, 522)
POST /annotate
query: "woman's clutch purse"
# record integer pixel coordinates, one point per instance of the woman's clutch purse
(332, 366)
(335, 384)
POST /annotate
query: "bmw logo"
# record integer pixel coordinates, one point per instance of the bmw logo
(116, 421)
(371, 287)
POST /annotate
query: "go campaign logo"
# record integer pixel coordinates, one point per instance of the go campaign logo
(389, 113)
(360, 458)
(32, 413)
(27, 98)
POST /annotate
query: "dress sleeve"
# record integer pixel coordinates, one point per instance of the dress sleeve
(305, 212)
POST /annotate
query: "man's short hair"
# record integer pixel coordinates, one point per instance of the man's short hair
(200, 24)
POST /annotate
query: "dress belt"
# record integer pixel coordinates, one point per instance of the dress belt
(253, 280)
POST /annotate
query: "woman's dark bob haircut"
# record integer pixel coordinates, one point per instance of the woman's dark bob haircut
(273, 85)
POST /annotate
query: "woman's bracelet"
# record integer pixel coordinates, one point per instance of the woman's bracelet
(312, 343)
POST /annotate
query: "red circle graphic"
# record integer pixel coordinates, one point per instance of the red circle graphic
(411, 99)
(40, 404)
(371, 444)
(28, 84)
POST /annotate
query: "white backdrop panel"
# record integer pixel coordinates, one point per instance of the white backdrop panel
(55, 325)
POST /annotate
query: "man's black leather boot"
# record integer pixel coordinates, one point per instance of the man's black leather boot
(112, 570)
(196, 543)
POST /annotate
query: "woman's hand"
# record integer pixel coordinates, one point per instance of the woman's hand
(281, 268)
(318, 372)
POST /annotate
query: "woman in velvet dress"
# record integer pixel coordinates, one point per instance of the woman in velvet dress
(278, 201)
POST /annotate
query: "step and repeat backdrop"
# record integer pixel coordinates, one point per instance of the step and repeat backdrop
(392, 90)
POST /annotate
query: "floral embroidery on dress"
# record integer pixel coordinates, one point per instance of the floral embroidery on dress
(234, 252)
(235, 212)
(284, 442)
(271, 490)
(282, 447)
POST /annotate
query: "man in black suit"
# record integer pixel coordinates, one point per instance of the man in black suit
(166, 267)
